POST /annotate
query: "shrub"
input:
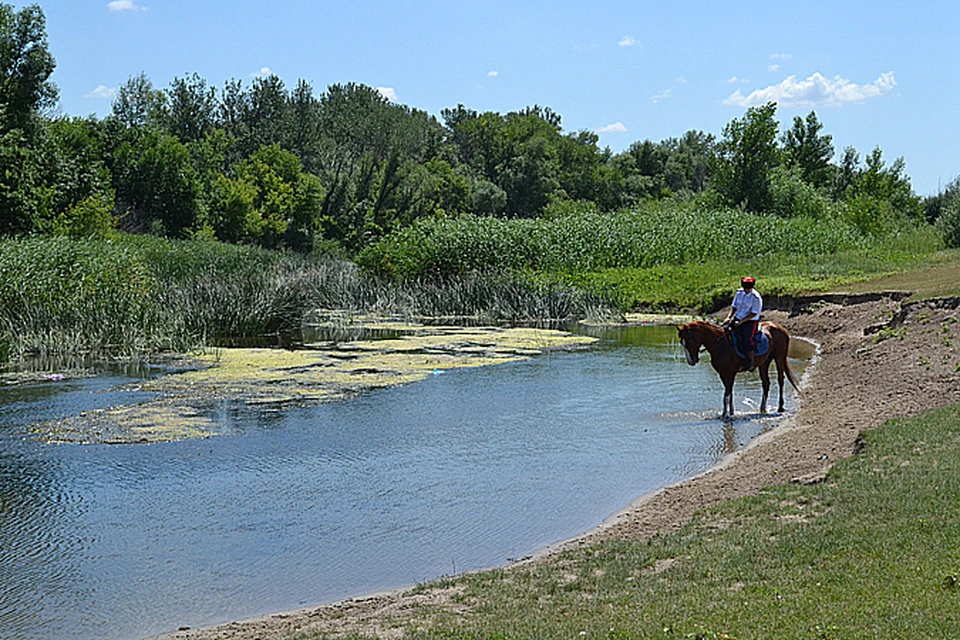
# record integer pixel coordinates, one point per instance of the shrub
(92, 217)
(793, 197)
(949, 223)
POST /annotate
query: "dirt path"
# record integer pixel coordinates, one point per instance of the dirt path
(878, 360)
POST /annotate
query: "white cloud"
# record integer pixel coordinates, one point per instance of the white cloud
(773, 67)
(780, 56)
(663, 95)
(627, 41)
(124, 5)
(102, 92)
(667, 93)
(492, 74)
(616, 127)
(263, 72)
(815, 91)
(735, 80)
(388, 93)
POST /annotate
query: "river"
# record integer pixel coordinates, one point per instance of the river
(467, 469)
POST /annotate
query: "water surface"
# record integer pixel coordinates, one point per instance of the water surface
(465, 470)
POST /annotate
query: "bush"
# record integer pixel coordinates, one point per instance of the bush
(793, 197)
(92, 217)
(949, 223)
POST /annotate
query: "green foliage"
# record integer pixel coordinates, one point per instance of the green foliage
(639, 238)
(885, 191)
(525, 155)
(809, 151)
(949, 223)
(156, 183)
(26, 64)
(791, 196)
(745, 156)
(25, 198)
(190, 112)
(348, 167)
(92, 217)
(137, 295)
(138, 104)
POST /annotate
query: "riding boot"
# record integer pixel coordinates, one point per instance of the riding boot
(753, 361)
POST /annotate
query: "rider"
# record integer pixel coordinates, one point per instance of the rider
(744, 316)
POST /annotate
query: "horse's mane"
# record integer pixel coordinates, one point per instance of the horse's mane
(712, 327)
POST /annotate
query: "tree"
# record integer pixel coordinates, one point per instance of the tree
(305, 133)
(26, 65)
(158, 190)
(270, 201)
(880, 197)
(804, 147)
(845, 173)
(746, 154)
(268, 115)
(191, 106)
(137, 103)
(24, 198)
(82, 195)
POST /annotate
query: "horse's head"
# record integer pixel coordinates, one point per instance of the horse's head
(691, 343)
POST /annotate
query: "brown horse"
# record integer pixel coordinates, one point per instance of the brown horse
(728, 363)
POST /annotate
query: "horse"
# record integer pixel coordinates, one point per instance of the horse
(727, 362)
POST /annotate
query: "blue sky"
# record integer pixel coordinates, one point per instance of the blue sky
(878, 74)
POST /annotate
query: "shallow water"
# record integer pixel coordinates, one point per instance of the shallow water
(465, 470)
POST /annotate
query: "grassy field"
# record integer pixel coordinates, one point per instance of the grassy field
(870, 553)
(662, 256)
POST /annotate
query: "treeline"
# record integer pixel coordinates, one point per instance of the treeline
(264, 164)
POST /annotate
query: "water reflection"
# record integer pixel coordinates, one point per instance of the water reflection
(459, 472)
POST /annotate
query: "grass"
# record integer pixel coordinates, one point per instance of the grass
(135, 296)
(662, 256)
(651, 235)
(871, 552)
(913, 261)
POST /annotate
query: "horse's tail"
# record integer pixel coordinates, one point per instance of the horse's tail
(786, 364)
(791, 377)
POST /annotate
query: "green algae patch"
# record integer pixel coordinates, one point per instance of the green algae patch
(270, 379)
(163, 420)
(330, 371)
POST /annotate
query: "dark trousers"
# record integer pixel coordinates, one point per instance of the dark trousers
(744, 334)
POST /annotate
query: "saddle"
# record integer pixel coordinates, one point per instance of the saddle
(761, 343)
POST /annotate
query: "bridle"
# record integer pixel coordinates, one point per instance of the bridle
(701, 346)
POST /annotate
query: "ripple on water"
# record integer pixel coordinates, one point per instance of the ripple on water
(398, 486)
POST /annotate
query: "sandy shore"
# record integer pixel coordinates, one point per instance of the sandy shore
(877, 360)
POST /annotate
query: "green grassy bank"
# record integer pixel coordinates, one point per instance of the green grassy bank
(666, 255)
(138, 295)
(870, 553)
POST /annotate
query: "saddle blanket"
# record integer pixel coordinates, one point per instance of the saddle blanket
(761, 342)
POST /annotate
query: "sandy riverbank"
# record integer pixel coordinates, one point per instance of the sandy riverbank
(877, 360)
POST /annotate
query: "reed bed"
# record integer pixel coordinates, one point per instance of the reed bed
(134, 296)
(640, 238)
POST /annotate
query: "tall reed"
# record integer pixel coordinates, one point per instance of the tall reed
(133, 296)
(644, 237)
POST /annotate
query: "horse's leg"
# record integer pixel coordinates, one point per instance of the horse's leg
(765, 380)
(781, 368)
(728, 397)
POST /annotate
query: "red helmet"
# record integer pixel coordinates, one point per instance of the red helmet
(748, 281)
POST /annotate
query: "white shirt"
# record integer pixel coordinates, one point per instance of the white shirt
(746, 303)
